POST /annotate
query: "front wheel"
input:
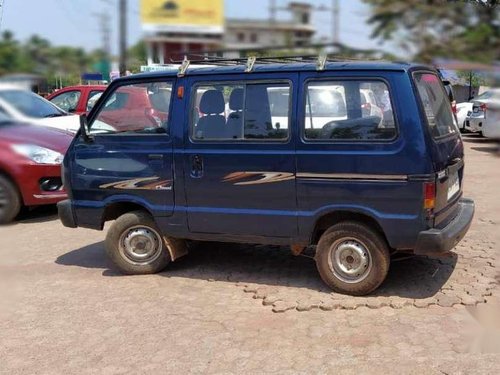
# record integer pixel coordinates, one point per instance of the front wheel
(352, 258)
(135, 245)
(10, 202)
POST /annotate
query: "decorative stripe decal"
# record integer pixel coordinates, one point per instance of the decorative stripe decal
(352, 176)
(148, 183)
(262, 178)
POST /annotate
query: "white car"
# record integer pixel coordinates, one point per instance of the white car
(26, 106)
(485, 116)
(463, 110)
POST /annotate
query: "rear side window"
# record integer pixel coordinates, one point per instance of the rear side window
(240, 112)
(436, 104)
(138, 108)
(348, 110)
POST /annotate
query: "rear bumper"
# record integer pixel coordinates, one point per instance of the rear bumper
(438, 241)
(66, 214)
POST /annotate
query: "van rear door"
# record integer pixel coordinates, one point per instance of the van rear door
(445, 145)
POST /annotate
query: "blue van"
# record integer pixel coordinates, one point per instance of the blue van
(359, 160)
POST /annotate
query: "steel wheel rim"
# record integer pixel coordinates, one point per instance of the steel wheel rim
(140, 245)
(349, 260)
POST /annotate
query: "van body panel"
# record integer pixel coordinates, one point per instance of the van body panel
(272, 192)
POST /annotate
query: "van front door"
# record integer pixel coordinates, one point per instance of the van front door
(130, 157)
(239, 157)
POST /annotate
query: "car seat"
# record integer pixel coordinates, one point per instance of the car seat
(235, 118)
(212, 125)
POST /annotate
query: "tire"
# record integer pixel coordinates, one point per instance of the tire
(352, 244)
(135, 245)
(10, 201)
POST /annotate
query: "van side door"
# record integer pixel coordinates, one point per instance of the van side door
(127, 161)
(239, 157)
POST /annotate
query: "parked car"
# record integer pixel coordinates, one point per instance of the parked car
(77, 99)
(26, 106)
(358, 188)
(484, 118)
(464, 110)
(30, 166)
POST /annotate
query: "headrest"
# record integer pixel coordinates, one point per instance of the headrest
(236, 100)
(212, 102)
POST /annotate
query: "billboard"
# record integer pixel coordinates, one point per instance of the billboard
(198, 16)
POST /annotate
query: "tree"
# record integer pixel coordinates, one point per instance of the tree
(468, 30)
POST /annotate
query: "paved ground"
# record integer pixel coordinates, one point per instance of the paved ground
(241, 309)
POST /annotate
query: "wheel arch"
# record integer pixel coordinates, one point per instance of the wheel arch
(331, 218)
(114, 210)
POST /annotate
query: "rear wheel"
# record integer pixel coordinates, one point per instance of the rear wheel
(135, 244)
(352, 258)
(10, 201)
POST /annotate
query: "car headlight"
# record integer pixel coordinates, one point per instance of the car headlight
(39, 155)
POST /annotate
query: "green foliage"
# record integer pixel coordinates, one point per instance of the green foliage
(36, 55)
(476, 79)
(468, 30)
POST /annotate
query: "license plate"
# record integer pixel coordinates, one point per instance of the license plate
(453, 185)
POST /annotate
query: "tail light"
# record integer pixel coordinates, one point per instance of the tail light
(429, 195)
(454, 107)
(483, 107)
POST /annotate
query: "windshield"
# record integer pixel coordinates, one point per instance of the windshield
(30, 104)
(4, 118)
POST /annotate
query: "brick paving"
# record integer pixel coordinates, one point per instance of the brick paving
(248, 309)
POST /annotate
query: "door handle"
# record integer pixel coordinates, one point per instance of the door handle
(196, 166)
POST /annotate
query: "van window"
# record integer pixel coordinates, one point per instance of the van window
(252, 111)
(348, 110)
(436, 104)
(137, 108)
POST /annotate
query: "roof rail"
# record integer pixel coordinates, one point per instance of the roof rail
(183, 68)
(250, 62)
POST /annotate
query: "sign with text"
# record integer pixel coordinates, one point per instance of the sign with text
(198, 16)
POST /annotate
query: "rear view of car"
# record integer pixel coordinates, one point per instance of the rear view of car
(30, 166)
(448, 215)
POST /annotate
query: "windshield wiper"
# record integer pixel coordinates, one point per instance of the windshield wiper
(55, 115)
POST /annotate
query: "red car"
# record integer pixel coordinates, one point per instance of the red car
(30, 166)
(77, 99)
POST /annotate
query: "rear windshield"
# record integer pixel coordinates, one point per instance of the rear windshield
(436, 104)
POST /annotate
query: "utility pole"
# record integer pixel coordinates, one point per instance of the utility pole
(336, 21)
(272, 11)
(1, 12)
(106, 33)
(123, 37)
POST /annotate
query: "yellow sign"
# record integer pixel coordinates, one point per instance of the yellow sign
(183, 15)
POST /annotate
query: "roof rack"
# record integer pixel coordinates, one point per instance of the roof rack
(251, 61)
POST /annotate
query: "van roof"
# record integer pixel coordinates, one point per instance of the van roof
(193, 70)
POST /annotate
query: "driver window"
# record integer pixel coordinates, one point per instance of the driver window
(67, 101)
(138, 108)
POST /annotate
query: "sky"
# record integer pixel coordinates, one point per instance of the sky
(75, 22)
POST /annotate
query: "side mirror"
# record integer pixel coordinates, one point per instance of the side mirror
(84, 129)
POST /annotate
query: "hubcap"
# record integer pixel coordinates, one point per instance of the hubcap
(349, 260)
(140, 245)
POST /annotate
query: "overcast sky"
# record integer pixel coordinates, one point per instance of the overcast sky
(73, 22)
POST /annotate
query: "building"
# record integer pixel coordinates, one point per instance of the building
(295, 33)
(172, 43)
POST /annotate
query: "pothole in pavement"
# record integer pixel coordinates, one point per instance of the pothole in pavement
(284, 282)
